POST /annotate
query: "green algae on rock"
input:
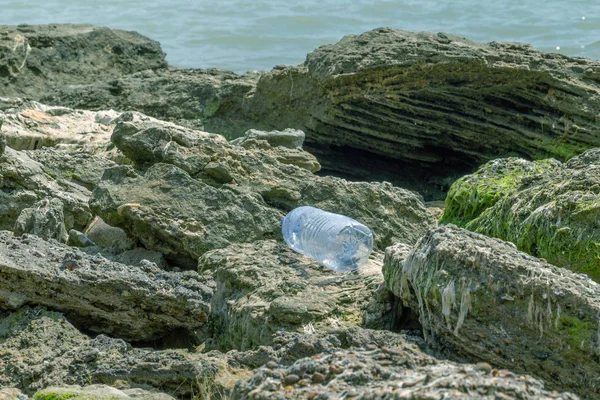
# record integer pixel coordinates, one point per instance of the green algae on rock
(552, 214)
(479, 298)
(470, 195)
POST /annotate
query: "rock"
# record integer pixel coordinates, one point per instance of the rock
(399, 370)
(31, 125)
(228, 194)
(12, 394)
(290, 138)
(389, 103)
(483, 300)
(265, 287)
(23, 182)
(81, 168)
(552, 215)
(38, 60)
(284, 155)
(57, 354)
(79, 239)
(105, 235)
(96, 392)
(472, 194)
(2, 140)
(45, 219)
(183, 96)
(133, 303)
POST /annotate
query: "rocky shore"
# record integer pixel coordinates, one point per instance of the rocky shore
(141, 253)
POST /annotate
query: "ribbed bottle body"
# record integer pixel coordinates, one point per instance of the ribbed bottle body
(338, 242)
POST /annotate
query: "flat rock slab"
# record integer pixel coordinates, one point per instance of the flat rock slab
(57, 354)
(482, 299)
(134, 303)
(264, 287)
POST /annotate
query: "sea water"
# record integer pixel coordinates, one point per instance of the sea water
(243, 35)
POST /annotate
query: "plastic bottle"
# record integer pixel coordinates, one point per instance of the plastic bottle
(338, 242)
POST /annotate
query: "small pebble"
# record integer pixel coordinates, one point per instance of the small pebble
(272, 365)
(318, 377)
(335, 369)
(304, 382)
(483, 366)
(291, 379)
(371, 347)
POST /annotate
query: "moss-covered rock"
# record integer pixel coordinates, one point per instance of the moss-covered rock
(470, 195)
(547, 209)
(479, 298)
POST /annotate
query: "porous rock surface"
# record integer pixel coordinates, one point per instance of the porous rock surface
(552, 214)
(264, 287)
(24, 182)
(37, 60)
(388, 366)
(480, 298)
(133, 303)
(57, 354)
(195, 192)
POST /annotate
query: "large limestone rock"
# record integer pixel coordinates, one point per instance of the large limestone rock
(131, 302)
(264, 287)
(481, 299)
(196, 192)
(37, 60)
(390, 101)
(385, 366)
(40, 348)
(552, 214)
(98, 392)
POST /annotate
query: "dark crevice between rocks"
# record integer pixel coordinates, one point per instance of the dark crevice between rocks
(359, 165)
(404, 318)
(176, 339)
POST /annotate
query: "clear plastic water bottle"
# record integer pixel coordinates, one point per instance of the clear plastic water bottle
(338, 242)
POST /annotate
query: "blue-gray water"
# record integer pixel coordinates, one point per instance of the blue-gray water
(244, 35)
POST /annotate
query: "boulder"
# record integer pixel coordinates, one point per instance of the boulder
(195, 192)
(38, 60)
(552, 214)
(131, 302)
(265, 287)
(56, 355)
(472, 194)
(480, 299)
(24, 182)
(45, 219)
(387, 102)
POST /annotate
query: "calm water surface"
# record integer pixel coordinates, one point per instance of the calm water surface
(243, 35)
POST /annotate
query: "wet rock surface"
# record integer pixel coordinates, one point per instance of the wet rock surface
(482, 299)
